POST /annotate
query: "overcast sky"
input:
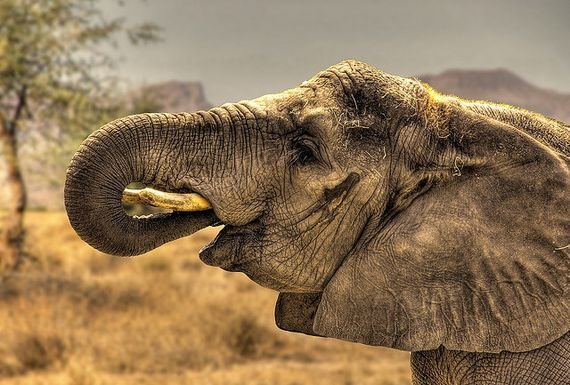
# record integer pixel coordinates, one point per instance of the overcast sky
(241, 49)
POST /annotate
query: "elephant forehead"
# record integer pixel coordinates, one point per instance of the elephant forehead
(296, 106)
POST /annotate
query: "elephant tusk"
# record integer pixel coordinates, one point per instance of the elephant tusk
(166, 200)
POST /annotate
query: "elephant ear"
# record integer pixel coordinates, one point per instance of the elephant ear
(478, 261)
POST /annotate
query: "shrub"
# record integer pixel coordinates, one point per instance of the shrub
(36, 352)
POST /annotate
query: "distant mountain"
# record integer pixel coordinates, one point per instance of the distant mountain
(501, 86)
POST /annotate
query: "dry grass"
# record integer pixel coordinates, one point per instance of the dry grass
(77, 317)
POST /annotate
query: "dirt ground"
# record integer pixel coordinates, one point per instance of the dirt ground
(75, 316)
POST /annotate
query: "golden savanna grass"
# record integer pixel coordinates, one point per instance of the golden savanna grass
(74, 316)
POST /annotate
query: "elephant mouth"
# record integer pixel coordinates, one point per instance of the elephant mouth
(223, 251)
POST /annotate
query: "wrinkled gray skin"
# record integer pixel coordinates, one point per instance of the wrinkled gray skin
(383, 212)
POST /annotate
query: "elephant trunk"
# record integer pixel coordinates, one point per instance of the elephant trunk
(145, 148)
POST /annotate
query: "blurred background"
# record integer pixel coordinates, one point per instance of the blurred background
(71, 315)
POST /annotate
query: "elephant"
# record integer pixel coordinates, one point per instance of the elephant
(382, 211)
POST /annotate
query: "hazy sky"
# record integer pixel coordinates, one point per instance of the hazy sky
(246, 48)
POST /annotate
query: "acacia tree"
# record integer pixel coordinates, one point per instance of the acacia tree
(50, 57)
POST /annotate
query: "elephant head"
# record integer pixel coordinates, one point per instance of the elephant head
(383, 212)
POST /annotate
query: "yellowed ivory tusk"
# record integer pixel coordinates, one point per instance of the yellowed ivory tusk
(166, 200)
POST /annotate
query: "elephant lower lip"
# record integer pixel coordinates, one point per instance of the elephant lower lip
(224, 250)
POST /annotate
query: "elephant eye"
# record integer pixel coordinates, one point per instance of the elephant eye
(304, 152)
